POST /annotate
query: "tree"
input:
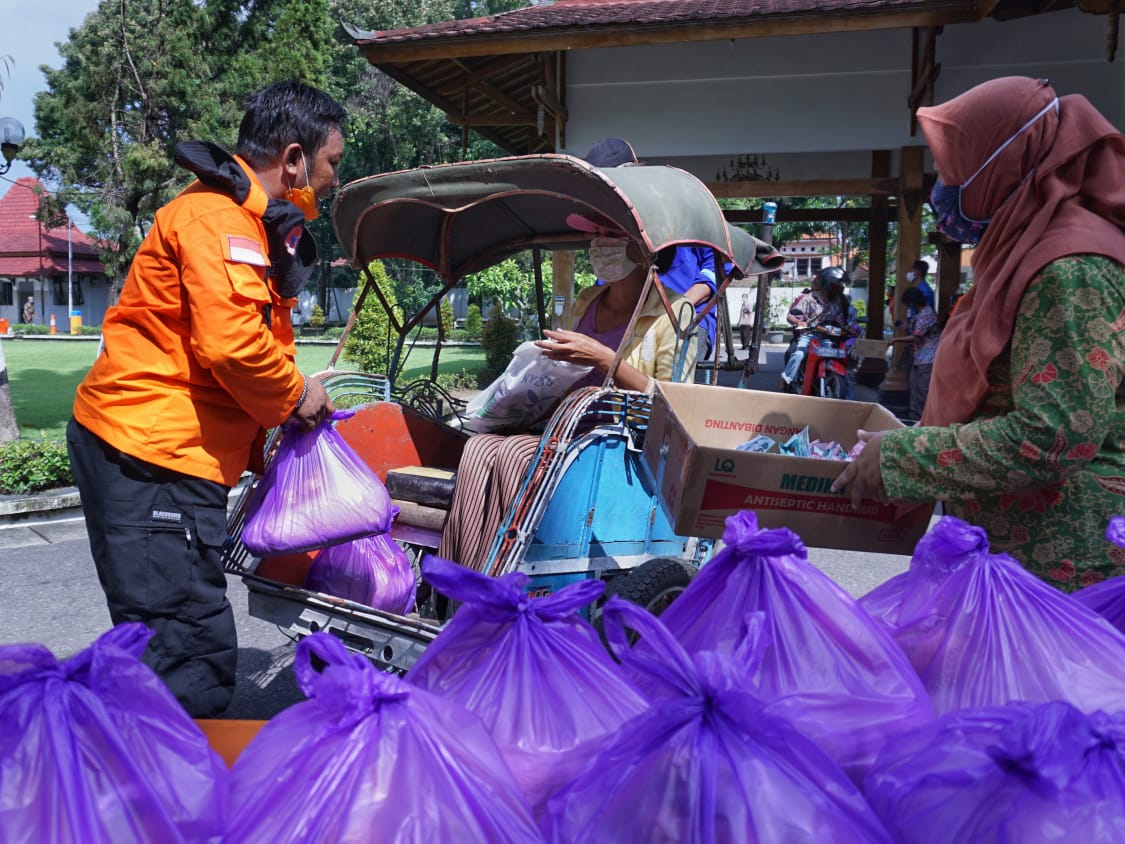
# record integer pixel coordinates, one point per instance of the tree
(371, 342)
(133, 83)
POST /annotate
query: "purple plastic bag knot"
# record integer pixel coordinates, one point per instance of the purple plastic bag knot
(1115, 530)
(1050, 745)
(742, 534)
(507, 594)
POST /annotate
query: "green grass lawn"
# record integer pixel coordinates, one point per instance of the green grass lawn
(43, 375)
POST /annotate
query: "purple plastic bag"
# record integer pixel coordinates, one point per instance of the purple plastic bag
(370, 757)
(96, 749)
(316, 492)
(372, 571)
(829, 667)
(982, 631)
(1023, 773)
(1107, 598)
(535, 672)
(706, 763)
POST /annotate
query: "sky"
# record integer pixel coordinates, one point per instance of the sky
(28, 33)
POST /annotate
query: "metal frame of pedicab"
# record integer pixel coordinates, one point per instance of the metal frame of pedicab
(462, 218)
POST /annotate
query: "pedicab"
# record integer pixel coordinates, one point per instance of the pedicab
(588, 506)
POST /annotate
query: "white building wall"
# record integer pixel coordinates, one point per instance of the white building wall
(815, 105)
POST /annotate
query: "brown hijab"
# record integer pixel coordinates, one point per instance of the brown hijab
(1057, 189)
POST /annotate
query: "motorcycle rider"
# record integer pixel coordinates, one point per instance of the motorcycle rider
(825, 303)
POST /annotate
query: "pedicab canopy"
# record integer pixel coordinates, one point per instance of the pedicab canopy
(462, 218)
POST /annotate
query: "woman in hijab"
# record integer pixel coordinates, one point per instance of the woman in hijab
(1023, 431)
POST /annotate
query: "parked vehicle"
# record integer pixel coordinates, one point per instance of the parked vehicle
(588, 506)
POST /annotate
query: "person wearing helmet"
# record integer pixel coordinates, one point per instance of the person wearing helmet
(825, 303)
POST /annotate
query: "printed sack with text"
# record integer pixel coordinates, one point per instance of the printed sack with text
(534, 670)
(1024, 773)
(523, 393)
(828, 667)
(982, 631)
(316, 492)
(370, 757)
(96, 750)
(706, 763)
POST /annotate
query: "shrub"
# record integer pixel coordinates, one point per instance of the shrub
(370, 344)
(316, 316)
(473, 323)
(33, 465)
(446, 311)
(464, 380)
(499, 339)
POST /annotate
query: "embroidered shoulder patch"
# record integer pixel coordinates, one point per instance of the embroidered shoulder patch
(244, 250)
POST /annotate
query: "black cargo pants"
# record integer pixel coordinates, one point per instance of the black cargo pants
(156, 538)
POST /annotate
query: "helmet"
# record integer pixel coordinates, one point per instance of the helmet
(831, 279)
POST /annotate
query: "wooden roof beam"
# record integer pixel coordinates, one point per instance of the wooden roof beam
(629, 35)
(809, 187)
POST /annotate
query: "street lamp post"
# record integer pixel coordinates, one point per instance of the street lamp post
(11, 137)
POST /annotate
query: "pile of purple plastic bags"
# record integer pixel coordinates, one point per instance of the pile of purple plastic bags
(961, 701)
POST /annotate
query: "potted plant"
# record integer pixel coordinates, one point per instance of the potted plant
(776, 333)
(316, 322)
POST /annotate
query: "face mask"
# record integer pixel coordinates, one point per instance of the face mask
(304, 198)
(609, 258)
(946, 199)
(910, 276)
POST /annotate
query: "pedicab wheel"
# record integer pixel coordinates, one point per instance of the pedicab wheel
(654, 584)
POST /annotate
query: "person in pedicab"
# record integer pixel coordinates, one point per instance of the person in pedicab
(492, 466)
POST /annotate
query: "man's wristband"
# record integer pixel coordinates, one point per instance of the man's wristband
(304, 393)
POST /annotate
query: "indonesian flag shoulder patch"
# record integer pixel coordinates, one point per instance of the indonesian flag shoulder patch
(244, 250)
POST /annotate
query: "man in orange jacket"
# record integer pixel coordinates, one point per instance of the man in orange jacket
(198, 359)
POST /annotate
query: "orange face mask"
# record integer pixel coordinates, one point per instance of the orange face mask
(304, 198)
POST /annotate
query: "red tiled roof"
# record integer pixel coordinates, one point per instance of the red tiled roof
(566, 14)
(23, 242)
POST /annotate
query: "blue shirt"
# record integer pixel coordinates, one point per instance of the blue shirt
(693, 265)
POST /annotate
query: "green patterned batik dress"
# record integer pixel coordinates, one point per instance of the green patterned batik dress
(1042, 465)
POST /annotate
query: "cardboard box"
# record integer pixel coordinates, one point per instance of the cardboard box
(871, 348)
(690, 448)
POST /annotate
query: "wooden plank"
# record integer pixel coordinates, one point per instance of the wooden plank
(229, 737)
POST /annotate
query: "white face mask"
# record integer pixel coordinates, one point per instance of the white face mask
(910, 276)
(609, 258)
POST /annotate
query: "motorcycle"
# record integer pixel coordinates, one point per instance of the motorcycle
(824, 370)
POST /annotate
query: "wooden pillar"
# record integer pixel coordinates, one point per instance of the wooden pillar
(894, 389)
(949, 273)
(562, 283)
(877, 262)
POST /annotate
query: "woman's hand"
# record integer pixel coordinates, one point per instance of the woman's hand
(572, 347)
(862, 477)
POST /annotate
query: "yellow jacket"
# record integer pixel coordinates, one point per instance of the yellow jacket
(190, 371)
(651, 349)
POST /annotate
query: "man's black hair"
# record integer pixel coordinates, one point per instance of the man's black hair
(664, 259)
(913, 297)
(921, 266)
(286, 113)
